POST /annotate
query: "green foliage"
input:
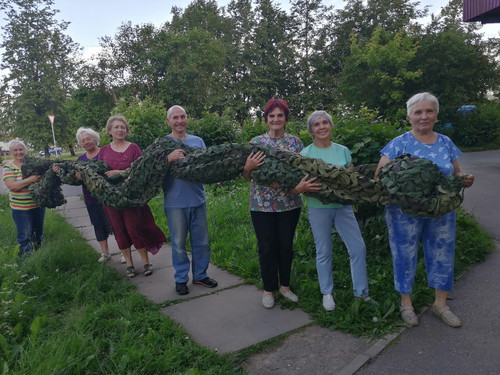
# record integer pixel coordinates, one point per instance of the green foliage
(36, 56)
(146, 119)
(89, 107)
(250, 129)
(364, 133)
(476, 128)
(211, 58)
(296, 127)
(378, 71)
(214, 129)
(454, 68)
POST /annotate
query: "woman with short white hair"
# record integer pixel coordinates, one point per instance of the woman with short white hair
(28, 215)
(436, 233)
(89, 139)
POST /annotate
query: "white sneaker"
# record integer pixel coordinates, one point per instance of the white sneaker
(122, 259)
(289, 295)
(268, 301)
(104, 258)
(328, 302)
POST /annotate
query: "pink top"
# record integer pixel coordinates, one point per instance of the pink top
(119, 160)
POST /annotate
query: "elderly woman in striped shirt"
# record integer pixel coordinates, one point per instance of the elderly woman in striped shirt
(28, 216)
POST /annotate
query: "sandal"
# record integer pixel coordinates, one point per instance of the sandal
(447, 316)
(408, 315)
(148, 269)
(130, 272)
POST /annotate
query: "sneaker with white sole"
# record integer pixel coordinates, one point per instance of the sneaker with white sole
(328, 302)
(268, 301)
(104, 258)
(289, 295)
(122, 259)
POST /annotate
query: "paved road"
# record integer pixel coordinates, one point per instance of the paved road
(432, 348)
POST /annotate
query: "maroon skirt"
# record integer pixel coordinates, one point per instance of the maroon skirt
(135, 226)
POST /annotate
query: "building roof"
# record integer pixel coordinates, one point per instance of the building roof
(485, 11)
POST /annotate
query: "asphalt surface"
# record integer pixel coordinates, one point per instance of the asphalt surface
(230, 318)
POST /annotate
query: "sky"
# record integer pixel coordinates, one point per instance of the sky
(92, 19)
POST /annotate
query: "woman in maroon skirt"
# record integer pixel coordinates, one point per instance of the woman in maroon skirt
(135, 225)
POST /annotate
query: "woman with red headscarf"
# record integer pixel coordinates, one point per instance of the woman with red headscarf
(275, 210)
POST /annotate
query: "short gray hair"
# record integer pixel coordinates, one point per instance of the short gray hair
(14, 143)
(93, 134)
(423, 96)
(315, 116)
(169, 112)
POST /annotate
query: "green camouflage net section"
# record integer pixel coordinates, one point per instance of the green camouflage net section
(134, 186)
(47, 192)
(414, 184)
(419, 188)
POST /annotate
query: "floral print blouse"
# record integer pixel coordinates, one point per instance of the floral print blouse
(265, 198)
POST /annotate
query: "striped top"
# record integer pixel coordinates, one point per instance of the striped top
(21, 199)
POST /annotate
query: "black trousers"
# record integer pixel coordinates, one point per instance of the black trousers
(275, 232)
(102, 228)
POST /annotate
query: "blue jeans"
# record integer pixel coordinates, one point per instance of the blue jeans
(322, 221)
(29, 225)
(438, 239)
(180, 221)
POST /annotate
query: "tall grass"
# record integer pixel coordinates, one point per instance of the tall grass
(234, 248)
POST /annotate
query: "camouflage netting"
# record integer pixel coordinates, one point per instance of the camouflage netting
(414, 184)
(419, 188)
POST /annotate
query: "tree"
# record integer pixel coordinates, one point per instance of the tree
(455, 62)
(37, 58)
(311, 23)
(271, 56)
(134, 62)
(239, 91)
(377, 73)
(362, 18)
(180, 63)
(201, 41)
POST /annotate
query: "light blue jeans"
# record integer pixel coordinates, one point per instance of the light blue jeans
(322, 220)
(438, 239)
(180, 221)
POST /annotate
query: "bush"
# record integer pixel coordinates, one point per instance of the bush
(479, 127)
(214, 129)
(251, 128)
(364, 134)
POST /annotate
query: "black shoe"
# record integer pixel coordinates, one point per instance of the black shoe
(181, 288)
(207, 281)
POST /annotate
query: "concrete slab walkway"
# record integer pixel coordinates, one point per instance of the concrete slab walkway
(225, 319)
